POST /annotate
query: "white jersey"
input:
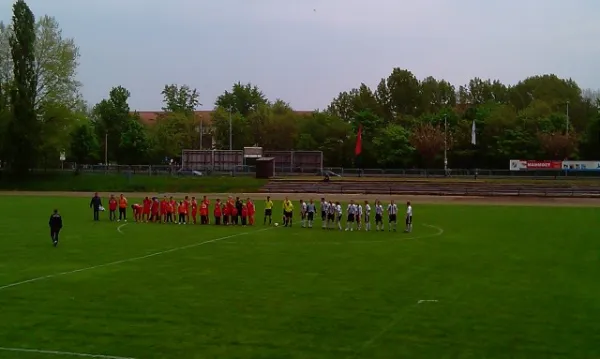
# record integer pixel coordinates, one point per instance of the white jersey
(338, 209)
(392, 209)
(331, 208)
(351, 209)
(379, 209)
(324, 206)
(367, 209)
(409, 211)
(303, 207)
(360, 210)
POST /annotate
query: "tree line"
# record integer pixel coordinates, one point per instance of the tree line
(42, 114)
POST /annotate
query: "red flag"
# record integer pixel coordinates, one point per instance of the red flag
(358, 148)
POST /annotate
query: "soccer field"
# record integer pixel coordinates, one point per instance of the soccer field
(469, 282)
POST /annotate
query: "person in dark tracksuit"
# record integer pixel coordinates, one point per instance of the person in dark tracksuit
(96, 203)
(56, 225)
(238, 206)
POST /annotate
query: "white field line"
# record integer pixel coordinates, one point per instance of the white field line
(133, 259)
(426, 301)
(54, 352)
(439, 232)
(121, 226)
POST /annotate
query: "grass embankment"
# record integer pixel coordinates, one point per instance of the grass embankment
(550, 181)
(134, 183)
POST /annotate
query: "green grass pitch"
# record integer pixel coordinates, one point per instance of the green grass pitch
(507, 282)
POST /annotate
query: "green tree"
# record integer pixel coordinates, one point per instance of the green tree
(134, 146)
(23, 129)
(403, 93)
(180, 99)
(429, 141)
(56, 123)
(56, 62)
(242, 99)
(394, 147)
(110, 118)
(84, 148)
(241, 134)
(172, 133)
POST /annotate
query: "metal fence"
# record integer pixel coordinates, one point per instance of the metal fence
(207, 169)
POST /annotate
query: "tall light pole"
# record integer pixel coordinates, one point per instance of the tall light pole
(106, 149)
(230, 132)
(567, 118)
(445, 146)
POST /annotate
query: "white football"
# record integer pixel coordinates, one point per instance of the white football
(102, 209)
(276, 224)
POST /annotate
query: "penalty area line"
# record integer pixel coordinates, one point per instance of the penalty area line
(133, 259)
(55, 352)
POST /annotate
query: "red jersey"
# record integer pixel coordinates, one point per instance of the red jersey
(244, 212)
(234, 211)
(155, 207)
(173, 206)
(137, 209)
(218, 211)
(204, 209)
(194, 206)
(251, 209)
(183, 209)
(112, 204)
(147, 205)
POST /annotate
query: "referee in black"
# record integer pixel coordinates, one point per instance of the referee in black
(55, 224)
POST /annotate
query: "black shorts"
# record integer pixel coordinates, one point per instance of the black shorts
(268, 212)
(311, 216)
(378, 218)
(323, 215)
(350, 218)
(392, 218)
(287, 214)
(330, 217)
(358, 219)
(408, 219)
(339, 218)
(303, 215)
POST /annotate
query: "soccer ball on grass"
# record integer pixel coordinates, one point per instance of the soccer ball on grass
(276, 224)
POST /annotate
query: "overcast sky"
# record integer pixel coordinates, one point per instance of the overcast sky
(307, 51)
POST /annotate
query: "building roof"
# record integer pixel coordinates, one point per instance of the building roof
(149, 117)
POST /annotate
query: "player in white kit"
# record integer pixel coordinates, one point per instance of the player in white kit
(378, 216)
(367, 216)
(324, 212)
(351, 216)
(409, 213)
(331, 209)
(339, 212)
(303, 213)
(392, 215)
(359, 215)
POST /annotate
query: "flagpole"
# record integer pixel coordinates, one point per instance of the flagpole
(445, 146)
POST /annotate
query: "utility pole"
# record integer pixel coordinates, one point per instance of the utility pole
(201, 133)
(230, 132)
(567, 118)
(106, 149)
(445, 146)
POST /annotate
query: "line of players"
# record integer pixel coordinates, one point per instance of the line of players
(332, 214)
(168, 210)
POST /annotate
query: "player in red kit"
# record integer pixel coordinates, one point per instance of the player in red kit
(251, 211)
(203, 213)
(218, 212)
(186, 203)
(244, 215)
(207, 201)
(155, 210)
(146, 212)
(137, 212)
(194, 205)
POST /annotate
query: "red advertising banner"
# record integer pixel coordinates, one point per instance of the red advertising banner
(529, 165)
(544, 165)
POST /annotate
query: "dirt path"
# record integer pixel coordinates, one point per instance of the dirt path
(508, 201)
